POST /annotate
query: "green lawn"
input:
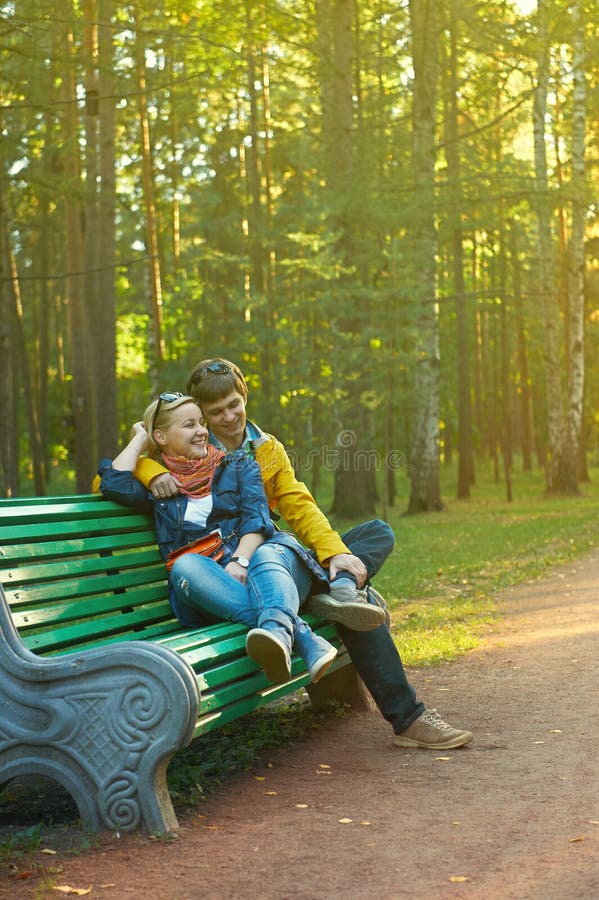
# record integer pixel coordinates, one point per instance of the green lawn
(441, 579)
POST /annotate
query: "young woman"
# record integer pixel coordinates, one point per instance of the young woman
(254, 582)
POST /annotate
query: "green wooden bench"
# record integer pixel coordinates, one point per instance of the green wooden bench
(99, 684)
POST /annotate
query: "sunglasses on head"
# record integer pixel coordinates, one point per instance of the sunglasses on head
(166, 397)
(215, 368)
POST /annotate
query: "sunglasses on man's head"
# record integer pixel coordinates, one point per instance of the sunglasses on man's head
(215, 368)
(166, 397)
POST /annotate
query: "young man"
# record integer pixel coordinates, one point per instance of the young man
(219, 388)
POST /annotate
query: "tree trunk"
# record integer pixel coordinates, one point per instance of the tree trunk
(576, 254)
(156, 336)
(559, 476)
(9, 469)
(79, 343)
(425, 491)
(105, 316)
(355, 477)
(465, 444)
(35, 444)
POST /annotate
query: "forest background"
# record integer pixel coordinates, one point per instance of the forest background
(385, 212)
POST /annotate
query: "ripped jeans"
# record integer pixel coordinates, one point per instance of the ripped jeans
(278, 581)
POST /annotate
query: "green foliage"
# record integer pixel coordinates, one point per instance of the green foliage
(313, 290)
(237, 747)
(20, 844)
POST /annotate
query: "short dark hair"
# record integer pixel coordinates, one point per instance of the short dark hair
(213, 379)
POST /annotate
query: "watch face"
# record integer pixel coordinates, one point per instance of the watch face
(241, 561)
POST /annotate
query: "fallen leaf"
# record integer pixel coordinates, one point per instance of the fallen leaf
(556, 731)
(456, 823)
(576, 839)
(442, 758)
(48, 851)
(259, 778)
(323, 766)
(67, 889)
(301, 806)
(365, 822)
(538, 742)
(271, 793)
(458, 878)
(593, 821)
(345, 821)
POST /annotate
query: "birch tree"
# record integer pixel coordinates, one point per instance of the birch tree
(576, 251)
(425, 491)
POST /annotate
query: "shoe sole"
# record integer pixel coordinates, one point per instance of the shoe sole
(357, 616)
(459, 741)
(269, 654)
(323, 665)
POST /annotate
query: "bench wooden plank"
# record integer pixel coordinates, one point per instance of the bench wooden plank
(83, 565)
(63, 549)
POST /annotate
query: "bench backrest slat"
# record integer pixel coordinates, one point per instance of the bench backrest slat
(80, 567)
(85, 587)
(10, 534)
(64, 549)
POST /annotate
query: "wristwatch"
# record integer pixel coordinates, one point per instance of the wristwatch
(241, 561)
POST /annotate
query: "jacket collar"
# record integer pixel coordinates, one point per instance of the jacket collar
(254, 438)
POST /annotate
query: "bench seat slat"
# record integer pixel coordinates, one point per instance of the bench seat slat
(129, 623)
(152, 633)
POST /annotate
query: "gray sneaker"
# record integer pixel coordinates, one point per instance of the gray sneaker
(430, 732)
(269, 649)
(357, 613)
(378, 600)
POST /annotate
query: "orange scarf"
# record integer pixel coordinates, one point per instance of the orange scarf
(195, 475)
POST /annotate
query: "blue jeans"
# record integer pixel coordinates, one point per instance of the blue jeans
(374, 653)
(277, 584)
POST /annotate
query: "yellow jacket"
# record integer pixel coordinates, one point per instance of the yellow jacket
(285, 494)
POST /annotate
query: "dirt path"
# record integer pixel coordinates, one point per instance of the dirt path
(344, 814)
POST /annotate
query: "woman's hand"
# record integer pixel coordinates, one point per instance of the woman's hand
(127, 458)
(138, 428)
(239, 573)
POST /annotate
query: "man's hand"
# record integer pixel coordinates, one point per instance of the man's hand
(347, 562)
(164, 485)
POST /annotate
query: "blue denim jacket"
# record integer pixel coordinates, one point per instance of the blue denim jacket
(239, 504)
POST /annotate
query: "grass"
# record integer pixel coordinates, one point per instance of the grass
(442, 578)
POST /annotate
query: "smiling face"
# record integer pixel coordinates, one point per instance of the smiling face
(185, 434)
(226, 419)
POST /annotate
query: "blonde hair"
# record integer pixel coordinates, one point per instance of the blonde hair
(163, 419)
